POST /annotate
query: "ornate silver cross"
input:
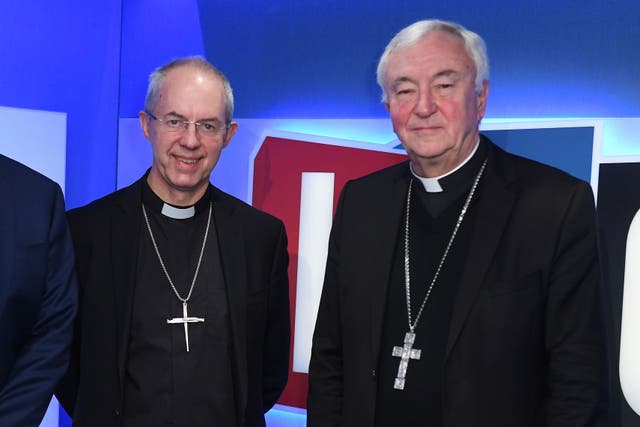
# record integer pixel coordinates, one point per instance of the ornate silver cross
(405, 353)
(184, 320)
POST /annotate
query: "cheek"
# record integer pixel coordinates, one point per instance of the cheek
(156, 148)
(399, 115)
(168, 144)
(214, 150)
(472, 105)
(457, 112)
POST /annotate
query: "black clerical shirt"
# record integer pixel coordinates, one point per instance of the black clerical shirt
(432, 220)
(164, 384)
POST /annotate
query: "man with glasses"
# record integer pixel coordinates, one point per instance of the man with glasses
(184, 291)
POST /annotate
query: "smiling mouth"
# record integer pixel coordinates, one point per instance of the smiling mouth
(186, 161)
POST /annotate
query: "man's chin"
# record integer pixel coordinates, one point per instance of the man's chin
(187, 184)
(425, 151)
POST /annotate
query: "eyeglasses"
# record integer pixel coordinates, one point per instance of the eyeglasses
(206, 128)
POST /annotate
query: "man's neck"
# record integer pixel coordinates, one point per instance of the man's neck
(437, 168)
(175, 196)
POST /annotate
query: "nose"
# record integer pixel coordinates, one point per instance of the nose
(425, 104)
(190, 138)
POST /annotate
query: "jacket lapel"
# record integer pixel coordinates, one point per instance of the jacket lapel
(389, 215)
(231, 242)
(494, 204)
(125, 236)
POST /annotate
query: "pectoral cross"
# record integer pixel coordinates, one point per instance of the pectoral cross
(405, 353)
(185, 319)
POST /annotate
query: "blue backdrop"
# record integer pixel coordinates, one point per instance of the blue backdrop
(304, 59)
(300, 59)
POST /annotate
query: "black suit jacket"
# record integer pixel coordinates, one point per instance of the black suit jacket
(253, 250)
(37, 293)
(524, 346)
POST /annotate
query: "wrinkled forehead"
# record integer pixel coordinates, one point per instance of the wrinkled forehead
(435, 52)
(187, 88)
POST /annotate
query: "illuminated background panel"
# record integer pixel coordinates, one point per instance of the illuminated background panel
(542, 145)
(316, 217)
(618, 202)
(64, 56)
(37, 139)
(277, 184)
(630, 324)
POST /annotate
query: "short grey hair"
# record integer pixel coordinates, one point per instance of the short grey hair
(412, 34)
(158, 75)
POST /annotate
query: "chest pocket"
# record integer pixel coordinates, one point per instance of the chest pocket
(509, 312)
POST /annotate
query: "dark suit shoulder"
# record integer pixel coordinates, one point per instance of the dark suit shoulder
(251, 215)
(24, 178)
(530, 174)
(394, 172)
(103, 206)
(378, 182)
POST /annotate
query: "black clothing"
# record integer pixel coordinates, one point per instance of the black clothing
(165, 385)
(432, 220)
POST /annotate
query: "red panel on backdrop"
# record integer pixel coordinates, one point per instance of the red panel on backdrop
(277, 178)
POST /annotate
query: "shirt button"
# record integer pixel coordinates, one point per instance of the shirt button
(373, 374)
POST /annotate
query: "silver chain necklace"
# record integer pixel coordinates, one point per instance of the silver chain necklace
(407, 352)
(185, 319)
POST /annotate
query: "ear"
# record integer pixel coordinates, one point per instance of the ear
(386, 105)
(233, 127)
(482, 99)
(144, 123)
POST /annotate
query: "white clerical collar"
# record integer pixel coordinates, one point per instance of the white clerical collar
(178, 213)
(432, 185)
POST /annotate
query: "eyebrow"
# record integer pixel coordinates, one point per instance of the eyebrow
(397, 82)
(446, 73)
(181, 117)
(439, 74)
(173, 113)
